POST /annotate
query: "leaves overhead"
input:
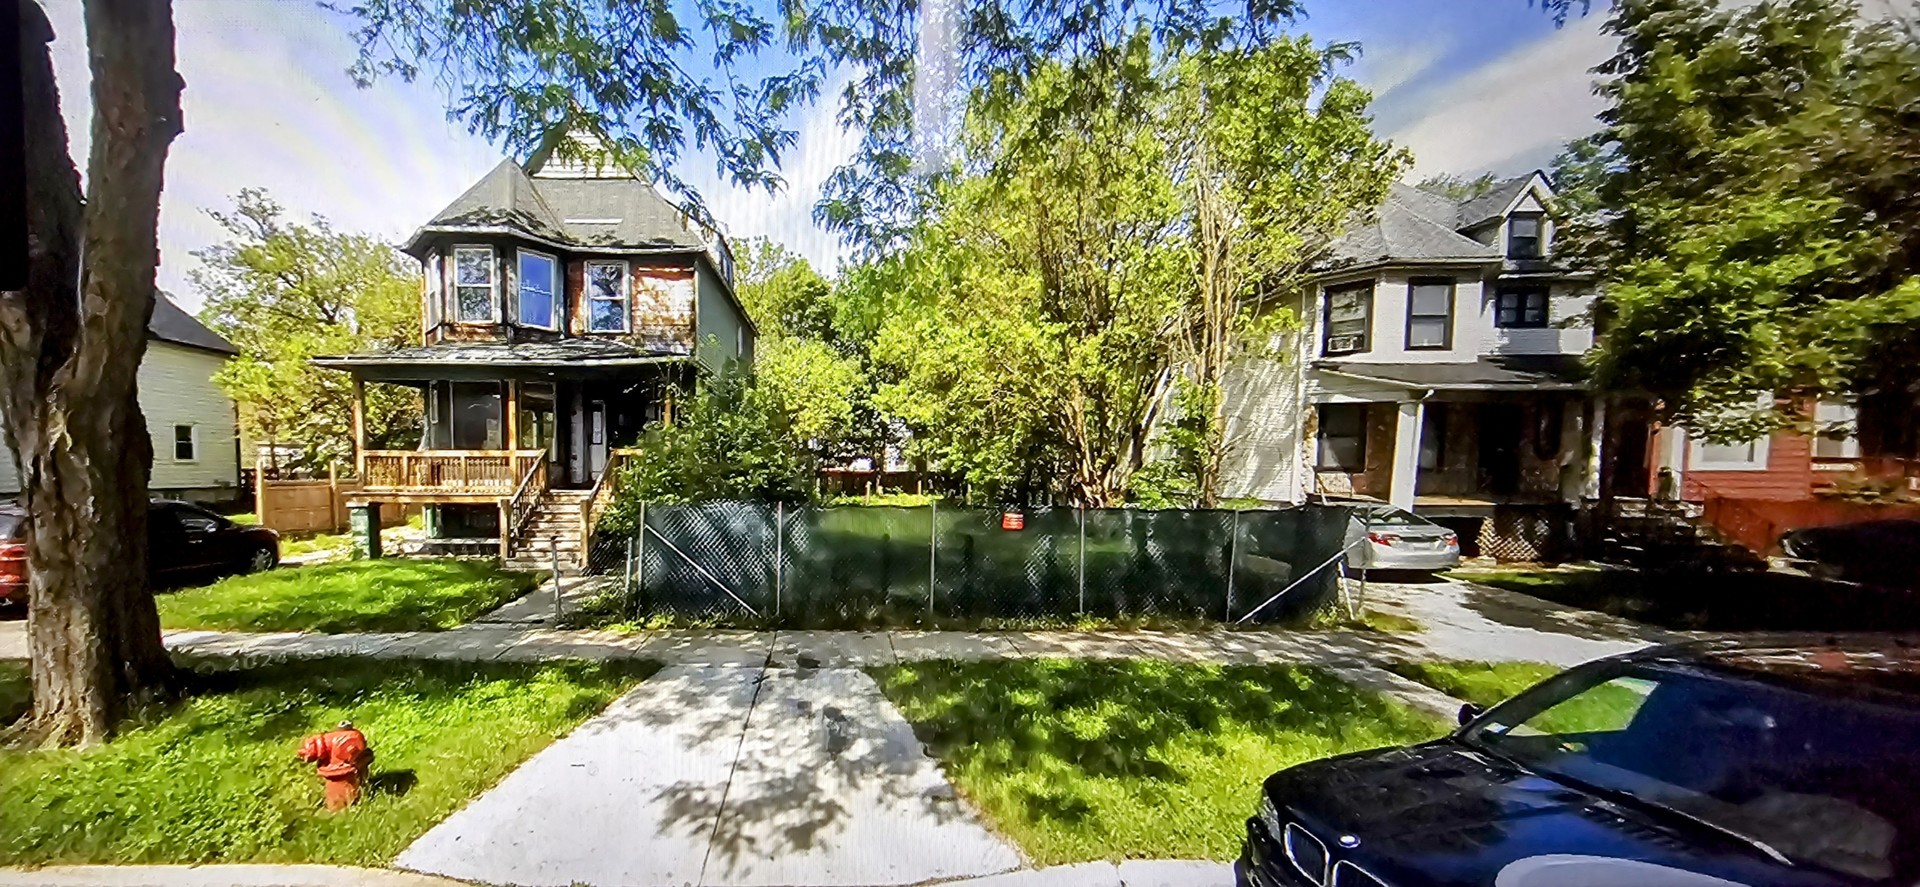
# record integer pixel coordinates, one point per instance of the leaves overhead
(285, 292)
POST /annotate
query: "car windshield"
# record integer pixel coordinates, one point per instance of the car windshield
(1382, 516)
(1809, 771)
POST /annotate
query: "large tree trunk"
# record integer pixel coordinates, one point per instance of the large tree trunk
(67, 371)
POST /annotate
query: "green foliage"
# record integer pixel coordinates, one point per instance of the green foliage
(390, 594)
(286, 292)
(1080, 760)
(1460, 188)
(1759, 222)
(1099, 241)
(213, 779)
(732, 441)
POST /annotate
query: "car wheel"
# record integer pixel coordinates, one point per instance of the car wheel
(263, 559)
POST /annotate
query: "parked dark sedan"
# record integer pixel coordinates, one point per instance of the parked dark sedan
(1684, 766)
(1877, 552)
(184, 542)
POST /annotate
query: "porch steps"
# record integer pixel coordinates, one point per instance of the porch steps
(556, 526)
(1668, 535)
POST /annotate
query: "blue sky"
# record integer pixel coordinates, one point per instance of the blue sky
(1468, 85)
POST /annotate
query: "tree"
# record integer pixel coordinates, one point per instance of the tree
(1759, 212)
(1097, 251)
(731, 442)
(70, 345)
(1460, 188)
(286, 292)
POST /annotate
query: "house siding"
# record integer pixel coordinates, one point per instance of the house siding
(176, 388)
(1263, 431)
(722, 331)
(1789, 474)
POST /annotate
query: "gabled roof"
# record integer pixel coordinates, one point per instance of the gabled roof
(171, 323)
(1417, 226)
(1405, 229)
(612, 211)
(1492, 205)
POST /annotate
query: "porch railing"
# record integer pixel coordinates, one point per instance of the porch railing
(520, 508)
(602, 494)
(499, 472)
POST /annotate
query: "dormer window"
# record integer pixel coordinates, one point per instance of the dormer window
(608, 290)
(476, 285)
(1523, 236)
(539, 281)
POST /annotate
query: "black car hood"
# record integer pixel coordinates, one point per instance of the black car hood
(1444, 814)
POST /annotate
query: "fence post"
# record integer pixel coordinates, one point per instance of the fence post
(1082, 510)
(554, 550)
(933, 546)
(1233, 560)
(628, 599)
(640, 561)
(779, 552)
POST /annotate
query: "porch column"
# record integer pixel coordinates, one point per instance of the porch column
(1406, 452)
(1596, 449)
(360, 428)
(510, 416)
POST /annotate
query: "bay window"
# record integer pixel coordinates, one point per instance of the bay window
(539, 281)
(608, 290)
(476, 284)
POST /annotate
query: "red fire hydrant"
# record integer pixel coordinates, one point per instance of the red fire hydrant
(341, 757)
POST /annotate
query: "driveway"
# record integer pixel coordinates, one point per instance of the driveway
(723, 775)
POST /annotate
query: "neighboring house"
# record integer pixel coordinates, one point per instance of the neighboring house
(565, 308)
(1438, 368)
(195, 454)
(1785, 465)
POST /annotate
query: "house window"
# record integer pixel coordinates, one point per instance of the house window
(475, 283)
(1430, 314)
(436, 291)
(1523, 236)
(1520, 307)
(1836, 434)
(539, 280)
(186, 443)
(1349, 316)
(1748, 455)
(1433, 437)
(608, 285)
(465, 416)
(1343, 437)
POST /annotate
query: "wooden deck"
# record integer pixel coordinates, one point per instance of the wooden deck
(450, 476)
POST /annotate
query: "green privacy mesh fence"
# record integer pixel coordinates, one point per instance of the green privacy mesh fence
(862, 566)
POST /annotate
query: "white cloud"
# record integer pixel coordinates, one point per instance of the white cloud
(268, 104)
(1511, 113)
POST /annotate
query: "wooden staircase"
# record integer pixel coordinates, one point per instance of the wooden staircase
(558, 523)
(1669, 535)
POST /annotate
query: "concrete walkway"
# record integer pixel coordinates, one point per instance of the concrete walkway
(721, 775)
(1139, 873)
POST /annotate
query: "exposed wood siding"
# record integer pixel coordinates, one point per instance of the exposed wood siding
(663, 307)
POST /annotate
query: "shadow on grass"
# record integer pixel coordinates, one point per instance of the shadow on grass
(1698, 600)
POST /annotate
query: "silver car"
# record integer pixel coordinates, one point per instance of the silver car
(1382, 537)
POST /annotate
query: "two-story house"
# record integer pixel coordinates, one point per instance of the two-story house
(565, 308)
(1437, 367)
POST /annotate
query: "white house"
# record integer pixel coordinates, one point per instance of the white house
(195, 454)
(1437, 368)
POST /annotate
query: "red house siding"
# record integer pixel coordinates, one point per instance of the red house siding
(1789, 474)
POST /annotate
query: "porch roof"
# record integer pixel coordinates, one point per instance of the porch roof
(1533, 372)
(566, 354)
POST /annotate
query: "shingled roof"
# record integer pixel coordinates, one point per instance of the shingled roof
(171, 323)
(601, 211)
(1416, 225)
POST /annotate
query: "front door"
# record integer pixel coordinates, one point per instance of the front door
(1500, 434)
(587, 449)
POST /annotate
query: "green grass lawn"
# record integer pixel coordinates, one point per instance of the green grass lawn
(1605, 707)
(389, 594)
(1481, 683)
(1080, 760)
(214, 778)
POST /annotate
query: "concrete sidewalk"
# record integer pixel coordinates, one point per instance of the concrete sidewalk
(1138, 873)
(722, 775)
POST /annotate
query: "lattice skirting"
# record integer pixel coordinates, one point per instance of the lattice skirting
(1524, 534)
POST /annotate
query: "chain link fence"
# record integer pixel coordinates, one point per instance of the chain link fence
(862, 566)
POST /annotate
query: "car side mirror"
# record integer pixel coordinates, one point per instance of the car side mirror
(1469, 711)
